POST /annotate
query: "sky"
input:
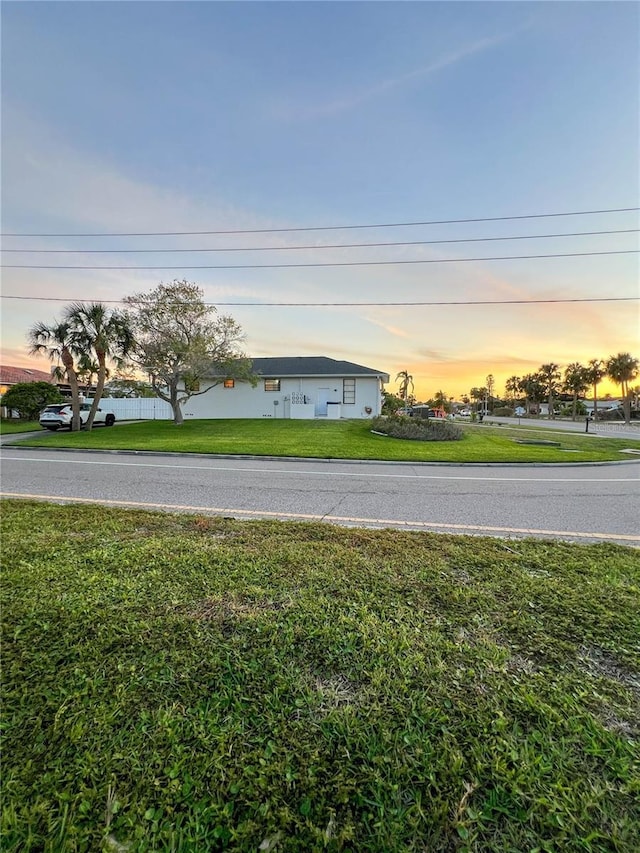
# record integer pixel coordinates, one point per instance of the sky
(136, 117)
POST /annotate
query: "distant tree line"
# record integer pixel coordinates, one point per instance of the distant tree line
(547, 384)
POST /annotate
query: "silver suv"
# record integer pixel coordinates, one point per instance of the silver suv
(61, 415)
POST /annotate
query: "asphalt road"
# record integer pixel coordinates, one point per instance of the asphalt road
(583, 503)
(604, 429)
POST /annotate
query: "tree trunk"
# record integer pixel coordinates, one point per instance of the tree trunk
(177, 409)
(171, 398)
(550, 413)
(595, 401)
(67, 361)
(626, 403)
(575, 406)
(102, 375)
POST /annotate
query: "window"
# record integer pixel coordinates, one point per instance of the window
(229, 383)
(348, 391)
(271, 384)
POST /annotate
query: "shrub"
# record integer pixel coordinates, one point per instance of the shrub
(503, 412)
(566, 411)
(399, 426)
(29, 398)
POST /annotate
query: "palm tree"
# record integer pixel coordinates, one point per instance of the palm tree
(56, 342)
(533, 389)
(512, 387)
(550, 376)
(623, 369)
(595, 371)
(576, 381)
(478, 394)
(406, 383)
(105, 332)
(87, 368)
(490, 386)
(441, 401)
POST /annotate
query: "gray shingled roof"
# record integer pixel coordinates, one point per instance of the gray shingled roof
(315, 365)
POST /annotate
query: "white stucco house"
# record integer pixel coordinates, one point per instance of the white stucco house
(297, 387)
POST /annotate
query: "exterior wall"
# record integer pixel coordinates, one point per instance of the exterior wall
(137, 408)
(299, 397)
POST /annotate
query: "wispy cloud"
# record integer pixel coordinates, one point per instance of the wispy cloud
(354, 99)
(396, 331)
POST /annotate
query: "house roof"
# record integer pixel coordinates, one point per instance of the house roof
(13, 375)
(316, 365)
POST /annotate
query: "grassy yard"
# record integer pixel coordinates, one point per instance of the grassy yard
(336, 440)
(12, 425)
(202, 684)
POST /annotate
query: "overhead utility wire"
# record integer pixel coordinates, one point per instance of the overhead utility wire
(317, 247)
(357, 304)
(326, 264)
(325, 227)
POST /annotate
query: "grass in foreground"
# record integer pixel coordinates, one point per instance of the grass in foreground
(8, 426)
(190, 683)
(332, 440)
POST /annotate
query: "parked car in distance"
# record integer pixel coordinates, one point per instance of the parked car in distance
(60, 415)
(465, 412)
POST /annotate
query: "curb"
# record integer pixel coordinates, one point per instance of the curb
(329, 461)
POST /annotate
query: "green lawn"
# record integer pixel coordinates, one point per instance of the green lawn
(12, 425)
(202, 684)
(336, 440)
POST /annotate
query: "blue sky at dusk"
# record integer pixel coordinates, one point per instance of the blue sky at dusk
(194, 116)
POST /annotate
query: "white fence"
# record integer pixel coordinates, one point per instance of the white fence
(138, 408)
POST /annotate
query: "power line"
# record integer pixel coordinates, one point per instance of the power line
(327, 227)
(356, 304)
(319, 264)
(316, 247)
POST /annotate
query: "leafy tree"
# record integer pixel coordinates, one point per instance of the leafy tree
(97, 329)
(405, 392)
(29, 398)
(623, 369)
(595, 371)
(391, 403)
(550, 377)
(124, 386)
(180, 341)
(57, 343)
(576, 382)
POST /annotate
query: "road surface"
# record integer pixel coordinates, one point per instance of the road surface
(583, 503)
(604, 429)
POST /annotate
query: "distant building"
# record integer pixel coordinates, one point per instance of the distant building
(13, 375)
